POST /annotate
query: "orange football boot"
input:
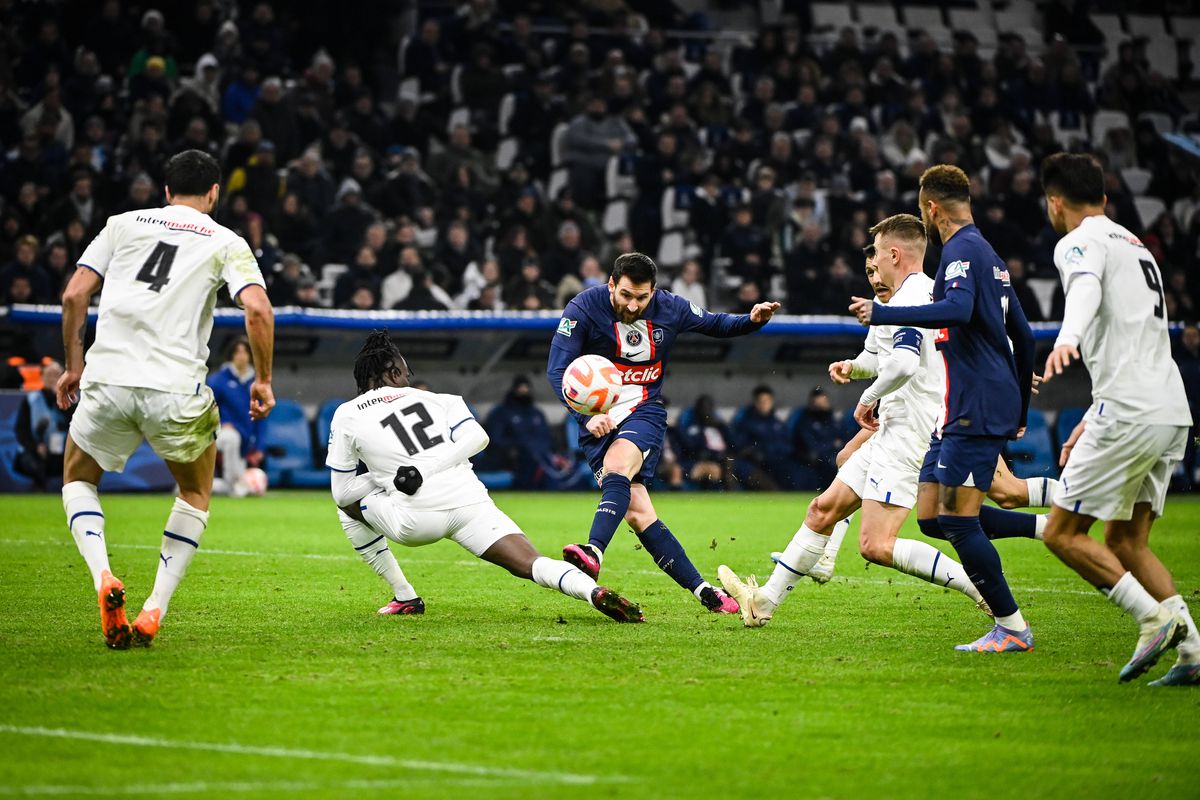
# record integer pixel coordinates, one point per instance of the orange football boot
(112, 612)
(146, 626)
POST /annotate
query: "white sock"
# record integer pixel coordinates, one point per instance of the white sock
(1189, 649)
(1039, 526)
(835, 539)
(1042, 492)
(924, 561)
(374, 551)
(562, 577)
(181, 540)
(804, 550)
(86, 521)
(1132, 598)
(1014, 621)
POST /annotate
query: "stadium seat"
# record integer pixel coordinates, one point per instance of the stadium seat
(833, 16)
(976, 22)
(456, 84)
(410, 89)
(324, 420)
(289, 449)
(881, 16)
(1137, 179)
(459, 116)
(1033, 454)
(1161, 121)
(1106, 121)
(1114, 32)
(1068, 418)
(557, 140)
(1187, 28)
(1149, 209)
(508, 105)
(1163, 58)
(616, 216)
(928, 19)
(1151, 26)
(673, 215)
(670, 249)
(558, 179)
(617, 180)
(506, 153)
(1018, 16)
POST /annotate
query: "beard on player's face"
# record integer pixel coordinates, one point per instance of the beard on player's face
(622, 302)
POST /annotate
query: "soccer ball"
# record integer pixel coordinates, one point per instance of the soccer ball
(591, 385)
(255, 481)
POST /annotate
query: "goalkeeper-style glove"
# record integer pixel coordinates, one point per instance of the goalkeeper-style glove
(408, 479)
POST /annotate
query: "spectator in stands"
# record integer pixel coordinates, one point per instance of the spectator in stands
(763, 443)
(363, 271)
(41, 431)
(588, 275)
(565, 256)
(690, 283)
(346, 224)
(425, 295)
(24, 268)
(1025, 294)
(79, 204)
(591, 139)
(293, 227)
(276, 119)
(803, 267)
(707, 445)
(308, 179)
(817, 439)
(748, 296)
(747, 247)
(521, 440)
(239, 439)
(529, 291)
(461, 152)
(57, 266)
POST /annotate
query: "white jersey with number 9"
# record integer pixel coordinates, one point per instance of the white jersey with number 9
(162, 268)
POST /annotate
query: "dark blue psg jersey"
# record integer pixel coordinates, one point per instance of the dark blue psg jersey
(988, 379)
(590, 326)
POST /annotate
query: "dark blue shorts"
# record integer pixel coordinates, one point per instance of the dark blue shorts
(645, 427)
(962, 461)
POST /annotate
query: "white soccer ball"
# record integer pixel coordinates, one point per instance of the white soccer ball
(591, 385)
(255, 481)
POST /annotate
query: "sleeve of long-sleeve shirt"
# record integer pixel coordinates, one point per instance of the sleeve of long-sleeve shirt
(953, 310)
(720, 326)
(894, 372)
(565, 347)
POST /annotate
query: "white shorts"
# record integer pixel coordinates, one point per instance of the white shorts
(886, 468)
(476, 527)
(1116, 465)
(111, 421)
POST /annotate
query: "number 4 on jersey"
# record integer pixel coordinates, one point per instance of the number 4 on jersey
(157, 269)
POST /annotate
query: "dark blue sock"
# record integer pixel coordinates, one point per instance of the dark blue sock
(931, 528)
(614, 503)
(668, 554)
(981, 561)
(1000, 524)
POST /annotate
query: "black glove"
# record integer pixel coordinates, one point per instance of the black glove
(408, 479)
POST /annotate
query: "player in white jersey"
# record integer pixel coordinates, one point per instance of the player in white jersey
(420, 487)
(1120, 458)
(881, 476)
(158, 272)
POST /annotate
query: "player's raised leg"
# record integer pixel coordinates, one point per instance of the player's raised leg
(181, 539)
(85, 518)
(372, 547)
(517, 554)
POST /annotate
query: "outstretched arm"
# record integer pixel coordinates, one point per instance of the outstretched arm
(954, 310)
(726, 326)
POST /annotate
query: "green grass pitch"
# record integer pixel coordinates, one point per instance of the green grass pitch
(273, 676)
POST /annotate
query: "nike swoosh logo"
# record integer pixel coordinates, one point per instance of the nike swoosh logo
(607, 503)
(940, 464)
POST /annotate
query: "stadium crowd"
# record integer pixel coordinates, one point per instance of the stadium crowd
(473, 163)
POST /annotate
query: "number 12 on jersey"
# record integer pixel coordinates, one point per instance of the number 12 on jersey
(420, 430)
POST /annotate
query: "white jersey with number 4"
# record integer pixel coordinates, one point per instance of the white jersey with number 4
(390, 427)
(162, 268)
(1126, 348)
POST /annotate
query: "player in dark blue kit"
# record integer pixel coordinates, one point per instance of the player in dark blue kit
(988, 385)
(634, 325)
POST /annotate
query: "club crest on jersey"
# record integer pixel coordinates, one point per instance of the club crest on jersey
(633, 338)
(566, 326)
(657, 336)
(957, 269)
(1075, 255)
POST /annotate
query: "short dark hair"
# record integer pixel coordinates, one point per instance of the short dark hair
(378, 356)
(869, 252)
(234, 344)
(638, 267)
(946, 183)
(1076, 177)
(762, 388)
(192, 173)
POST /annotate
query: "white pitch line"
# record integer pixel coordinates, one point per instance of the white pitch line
(452, 767)
(478, 562)
(230, 787)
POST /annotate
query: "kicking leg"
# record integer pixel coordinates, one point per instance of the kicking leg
(181, 539)
(622, 461)
(879, 544)
(85, 518)
(517, 554)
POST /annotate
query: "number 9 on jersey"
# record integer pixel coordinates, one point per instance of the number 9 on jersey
(591, 384)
